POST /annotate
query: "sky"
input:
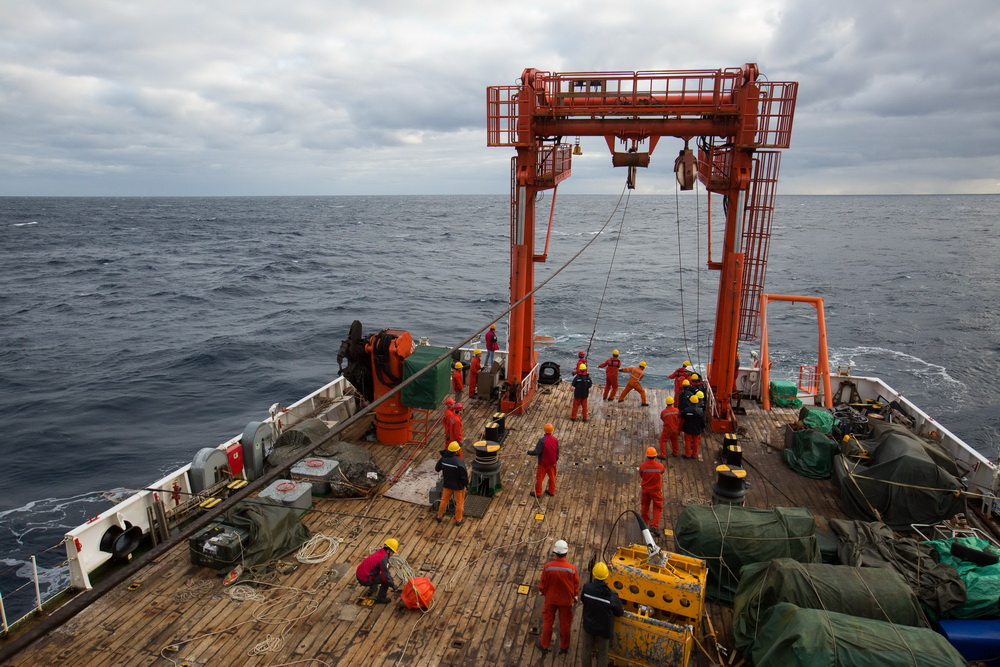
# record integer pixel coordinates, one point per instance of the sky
(343, 97)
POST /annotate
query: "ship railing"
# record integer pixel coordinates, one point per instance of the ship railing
(83, 551)
(528, 385)
(35, 581)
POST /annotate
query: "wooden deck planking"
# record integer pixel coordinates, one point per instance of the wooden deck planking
(477, 616)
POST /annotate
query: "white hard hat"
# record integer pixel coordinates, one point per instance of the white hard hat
(560, 547)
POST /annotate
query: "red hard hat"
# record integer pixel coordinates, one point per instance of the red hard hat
(459, 406)
(582, 353)
(449, 401)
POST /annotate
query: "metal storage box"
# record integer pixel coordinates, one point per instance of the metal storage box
(316, 470)
(290, 494)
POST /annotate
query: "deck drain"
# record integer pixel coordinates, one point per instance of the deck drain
(458, 643)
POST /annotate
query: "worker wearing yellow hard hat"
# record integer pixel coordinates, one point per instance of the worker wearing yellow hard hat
(600, 606)
(671, 418)
(611, 366)
(454, 482)
(475, 366)
(651, 482)
(374, 573)
(693, 425)
(457, 380)
(634, 382)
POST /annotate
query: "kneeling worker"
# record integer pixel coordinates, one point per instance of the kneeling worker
(600, 606)
(374, 571)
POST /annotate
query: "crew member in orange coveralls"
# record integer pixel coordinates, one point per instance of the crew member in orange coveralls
(477, 365)
(457, 383)
(581, 360)
(633, 382)
(560, 585)
(452, 421)
(651, 476)
(671, 418)
(611, 367)
(678, 376)
(547, 451)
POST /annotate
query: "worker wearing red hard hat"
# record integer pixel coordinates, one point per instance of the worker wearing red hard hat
(452, 421)
(637, 373)
(651, 479)
(671, 418)
(547, 451)
(611, 366)
(581, 360)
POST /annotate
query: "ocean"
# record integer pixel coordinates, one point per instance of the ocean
(139, 330)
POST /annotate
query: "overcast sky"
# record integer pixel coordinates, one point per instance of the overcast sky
(258, 97)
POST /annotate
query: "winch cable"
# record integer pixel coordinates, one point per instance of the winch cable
(698, 272)
(680, 269)
(626, 193)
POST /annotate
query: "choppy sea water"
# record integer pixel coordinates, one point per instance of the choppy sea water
(139, 330)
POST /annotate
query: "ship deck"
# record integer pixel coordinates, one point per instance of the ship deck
(176, 613)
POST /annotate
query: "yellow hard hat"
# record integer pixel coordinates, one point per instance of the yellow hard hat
(600, 571)
(700, 394)
(694, 399)
(549, 428)
(695, 376)
(642, 364)
(614, 353)
(392, 544)
(670, 400)
(651, 452)
(454, 446)
(686, 383)
(687, 363)
(583, 367)
(477, 351)
(458, 365)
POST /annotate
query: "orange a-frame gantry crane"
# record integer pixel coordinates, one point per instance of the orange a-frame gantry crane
(738, 119)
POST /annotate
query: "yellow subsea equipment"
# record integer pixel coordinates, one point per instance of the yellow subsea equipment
(664, 597)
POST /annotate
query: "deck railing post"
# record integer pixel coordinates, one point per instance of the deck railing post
(3, 615)
(38, 593)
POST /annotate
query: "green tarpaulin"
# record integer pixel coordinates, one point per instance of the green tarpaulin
(859, 591)
(728, 537)
(982, 582)
(430, 388)
(902, 483)
(274, 529)
(783, 394)
(790, 636)
(817, 418)
(812, 454)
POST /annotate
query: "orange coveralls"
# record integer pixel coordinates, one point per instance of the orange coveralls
(678, 376)
(560, 585)
(457, 385)
(611, 367)
(452, 428)
(651, 474)
(671, 418)
(633, 383)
